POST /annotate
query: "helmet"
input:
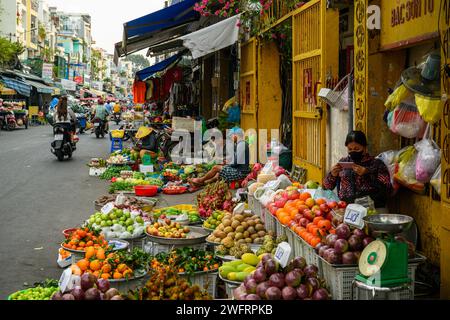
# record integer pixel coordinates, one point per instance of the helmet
(143, 132)
(101, 101)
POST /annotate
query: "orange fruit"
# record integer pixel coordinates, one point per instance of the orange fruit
(305, 196)
(83, 264)
(320, 201)
(90, 252)
(316, 220)
(106, 268)
(117, 275)
(128, 273)
(310, 202)
(95, 265)
(100, 254)
(105, 276)
(96, 274)
(315, 241)
(324, 224)
(122, 267)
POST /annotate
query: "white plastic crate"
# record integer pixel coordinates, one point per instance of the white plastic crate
(339, 280)
(258, 208)
(294, 241)
(136, 243)
(280, 229)
(155, 248)
(311, 256)
(270, 223)
(206, 279)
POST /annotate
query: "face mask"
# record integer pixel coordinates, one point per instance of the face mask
(356, 156)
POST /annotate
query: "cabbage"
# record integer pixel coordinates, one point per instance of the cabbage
(125, 235)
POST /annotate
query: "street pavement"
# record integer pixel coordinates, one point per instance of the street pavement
(40, 197)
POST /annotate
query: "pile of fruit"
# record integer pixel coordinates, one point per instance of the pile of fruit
(215, 196)
(174, 212)
(240, 229)
(83, 238)
(215, 219)
(113, 171)
(168, 229)
(119, 223)
(239, 270)
(237, 251)
(113, 265)
(270, 244)
(166, 284)
(130, 202)
(343, 247)
(41, 291)
(269, 281)
(90, 288)
(171, 175)
(187, 260)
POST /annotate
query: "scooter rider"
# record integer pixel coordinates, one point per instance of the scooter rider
(65, 115)
(101, 112)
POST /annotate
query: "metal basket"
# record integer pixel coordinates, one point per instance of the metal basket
(338, 97)
(204, 280)
(153, 248)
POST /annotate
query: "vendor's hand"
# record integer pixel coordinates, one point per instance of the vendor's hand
(359, 170)
(336, 170)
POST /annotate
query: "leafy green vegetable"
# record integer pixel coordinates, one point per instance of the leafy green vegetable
(114, 171)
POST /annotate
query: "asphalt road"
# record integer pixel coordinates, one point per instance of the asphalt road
(40, 197)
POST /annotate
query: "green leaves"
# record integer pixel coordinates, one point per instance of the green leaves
(9, 51)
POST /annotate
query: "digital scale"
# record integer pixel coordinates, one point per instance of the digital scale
(384, 262)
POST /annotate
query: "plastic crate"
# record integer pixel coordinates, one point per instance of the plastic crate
(258, 209)
(136, 243)
(311, 256)
(204, 280)
(294, 241)
(251, 202)
(155, 248)
(270, 223)
(280, 229)
(339, 280)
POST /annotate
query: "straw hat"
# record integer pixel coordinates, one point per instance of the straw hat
(425, 79)
(143, 132)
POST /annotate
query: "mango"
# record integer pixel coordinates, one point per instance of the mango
(242, 267)
(232, 276)
(250, 269)
(250, 259)
(234, 263)
(225, 271)
(240, 276)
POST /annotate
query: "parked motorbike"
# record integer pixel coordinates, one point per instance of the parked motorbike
(62, 145)
(99, 128)
(9, 122)
(117, 117)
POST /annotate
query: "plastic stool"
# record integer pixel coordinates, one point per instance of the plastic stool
(116, 144)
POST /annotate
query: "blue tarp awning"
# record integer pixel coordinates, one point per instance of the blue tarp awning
(148, 72)
(18, 85)
(169, 17)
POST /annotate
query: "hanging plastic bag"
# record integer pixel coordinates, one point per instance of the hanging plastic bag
(396, 97)
(428, 159)
(406, 170)
(388, 158)
(328, 195)
(436, 180)
(407, 121)
(429, 109)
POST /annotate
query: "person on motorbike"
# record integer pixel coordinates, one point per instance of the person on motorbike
(147, 139)
(65, 115)
(101, 112)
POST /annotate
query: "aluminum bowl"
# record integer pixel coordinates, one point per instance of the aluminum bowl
(388, 223)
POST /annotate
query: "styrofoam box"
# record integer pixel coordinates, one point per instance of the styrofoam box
(95, 172)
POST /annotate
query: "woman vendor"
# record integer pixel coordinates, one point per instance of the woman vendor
(359, 174)
(237, 165)
(148, 142)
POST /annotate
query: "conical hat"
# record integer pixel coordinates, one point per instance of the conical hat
(424, 79)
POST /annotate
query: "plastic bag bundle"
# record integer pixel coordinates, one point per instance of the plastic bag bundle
(429, 109)
(396, 97)
(388, 158)
(328, 195)
(406, 121)
(406, 169)
(436, 180)
(428, 159)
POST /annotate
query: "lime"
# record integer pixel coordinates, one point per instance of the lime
(104, 216)
(103, 224)
(130, 229)
(98, 221)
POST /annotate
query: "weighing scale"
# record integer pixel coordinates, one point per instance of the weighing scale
(384, 262)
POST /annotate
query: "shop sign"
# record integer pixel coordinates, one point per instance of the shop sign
(47, 71)
(406, 22)
(354, 215)
(69, 85)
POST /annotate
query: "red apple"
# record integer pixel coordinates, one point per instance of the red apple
(285, 195)
(297, 217)
(293, 194)
(324, 208)
(342, 204)
(302, 208)
(280, 203)
(304, 222)
(318, 213)
(309, 215)
(332, 204)
(316, 207)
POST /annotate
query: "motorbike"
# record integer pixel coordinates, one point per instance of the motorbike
(82, 122)
(99, 127)
(116, 117)
(62, 145)
(9, 121)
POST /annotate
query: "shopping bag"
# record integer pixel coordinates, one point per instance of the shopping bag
(396, 97)
(407, 122)
(429, 109)
(436, 180)
(406, 170)
(428, 159)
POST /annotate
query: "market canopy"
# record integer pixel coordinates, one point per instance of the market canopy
(148, 72)
(156, 27)
(4, 91)
(40, 87)
(17, 85)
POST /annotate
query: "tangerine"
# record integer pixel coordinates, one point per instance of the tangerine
(106, 268)
(90, 252)
(117, 275)
(305, 196)
(100, 254)
(106, 276)
(95, 265)
(83, 264)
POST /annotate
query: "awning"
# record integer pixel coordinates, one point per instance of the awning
(18, 85)
(4, 91)
(157, 27)
(148, 72)
(213, 38)
(40, 87)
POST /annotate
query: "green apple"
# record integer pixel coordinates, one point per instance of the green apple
(129, 222)
(123, 218)
(139, 219)
(104, 224)
(92, 220)
(115, 221)
(119, 213)
(112, 216)
(98, 221)
(127, 215)
(104, 217)
(130, 229)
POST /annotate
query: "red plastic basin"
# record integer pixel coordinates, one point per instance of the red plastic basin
(67, 232)
(145, 191)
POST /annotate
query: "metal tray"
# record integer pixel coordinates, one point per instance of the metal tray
(139, 274)
(196, 236)
(233, 283)
(124, 245)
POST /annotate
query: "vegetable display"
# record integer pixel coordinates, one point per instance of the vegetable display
(174, 212)
(187, 260)
(113, 171)
(119, 184)
(215, 196)
(298, 281)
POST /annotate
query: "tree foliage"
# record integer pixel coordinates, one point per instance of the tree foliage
(9, 52)
(140, 62)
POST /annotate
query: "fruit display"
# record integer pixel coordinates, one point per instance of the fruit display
(97, 163)
(171, 175)
(113, 265)
(40, 291)
(270, 244)
(83, 238)
(215, 219)
(238, 270)
(239, 228)
(126, 223)
(131, 202)
(174, 189)
(166, 284)
(90, 288)
(215, 196)
(177, 211)
(298, 281)
(119, 184)
(168, 229)
(187, 260)
(113, 171)
(344, 246)
(63, 254)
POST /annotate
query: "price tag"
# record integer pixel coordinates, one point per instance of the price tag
(65, 280)
(107, 208)
(354, 215)
(283, 253)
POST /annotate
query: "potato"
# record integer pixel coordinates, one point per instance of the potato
(246, 234)
(259, 227)
(235, 224)
(251, 230)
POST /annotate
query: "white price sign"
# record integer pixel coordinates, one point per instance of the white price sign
(354, 215)
(283, 253)
(107, 208)
(65, 280)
